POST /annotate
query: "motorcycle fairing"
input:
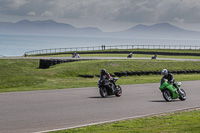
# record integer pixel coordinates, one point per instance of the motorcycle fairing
(165, 85)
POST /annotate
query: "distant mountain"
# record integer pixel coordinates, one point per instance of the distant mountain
(161, 30)
(162, 27)
(48, 27)
(51, 27)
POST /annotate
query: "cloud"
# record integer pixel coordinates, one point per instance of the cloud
(133, 11)
(12, 4)
(31, 13)
(136, 11)
(178, 20)
(47, 14)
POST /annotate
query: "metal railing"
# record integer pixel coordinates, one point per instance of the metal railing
(103, 47)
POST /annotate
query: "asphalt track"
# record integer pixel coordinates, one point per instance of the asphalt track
(42, 111)
(99, 58)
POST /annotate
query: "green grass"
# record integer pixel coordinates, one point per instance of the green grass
(159, 50)
(69, 54)
(24, 75)
(132, 50)
(179, 122)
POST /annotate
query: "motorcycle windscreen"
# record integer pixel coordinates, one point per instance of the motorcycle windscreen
(163, 83)
(179, 84)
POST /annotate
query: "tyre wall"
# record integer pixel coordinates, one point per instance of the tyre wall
(140, 73)
(46, 63)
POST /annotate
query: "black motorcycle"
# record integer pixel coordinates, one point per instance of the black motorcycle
(130, 55)
(154, 56)
(107, 87)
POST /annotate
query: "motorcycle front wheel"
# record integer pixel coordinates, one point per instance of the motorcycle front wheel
(118, 92)
(167, 95)
(182, 96)
(103, 92)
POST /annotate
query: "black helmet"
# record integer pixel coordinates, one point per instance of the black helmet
(103, 71)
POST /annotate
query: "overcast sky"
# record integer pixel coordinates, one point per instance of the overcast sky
(107, 15)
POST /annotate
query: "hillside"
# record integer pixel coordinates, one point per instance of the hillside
(161, 30)
(48, 27)
(51, 27)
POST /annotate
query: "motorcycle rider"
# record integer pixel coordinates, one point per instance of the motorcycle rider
(104, 73)
(130, 55)
(154, 57)
(108, 77)
(170, 79)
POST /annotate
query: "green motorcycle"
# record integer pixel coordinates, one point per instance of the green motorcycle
(170, 92)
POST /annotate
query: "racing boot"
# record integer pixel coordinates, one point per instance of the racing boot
(112, 86)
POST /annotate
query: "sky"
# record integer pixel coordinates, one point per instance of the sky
(107, 15)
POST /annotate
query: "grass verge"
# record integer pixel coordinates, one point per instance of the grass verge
(178, 122)
(130, 50)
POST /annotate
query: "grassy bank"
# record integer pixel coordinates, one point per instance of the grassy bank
(24, 75)
(160, 50)
(127, 51)
(131, 50)
(179, 122)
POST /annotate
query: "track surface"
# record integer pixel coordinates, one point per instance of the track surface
(96, 58)
(35, 111)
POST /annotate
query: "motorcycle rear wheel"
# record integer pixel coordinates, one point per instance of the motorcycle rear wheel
(103, 92)
(167, 95)
(118, 92)
(182, 96)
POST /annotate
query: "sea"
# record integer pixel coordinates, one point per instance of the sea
(17, 45)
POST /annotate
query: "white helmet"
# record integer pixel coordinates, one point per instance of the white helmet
(164, 72)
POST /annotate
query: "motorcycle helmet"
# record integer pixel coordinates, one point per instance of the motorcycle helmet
(103, 71)
(164, 72)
